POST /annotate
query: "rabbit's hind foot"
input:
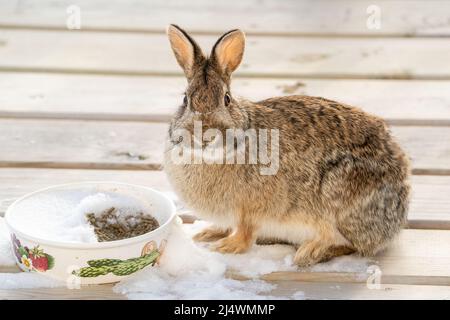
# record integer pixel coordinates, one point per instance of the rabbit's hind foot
(337, 251)
(211, 234)
(316, 251)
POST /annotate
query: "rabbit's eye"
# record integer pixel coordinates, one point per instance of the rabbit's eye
(185, 100)
(227, 99)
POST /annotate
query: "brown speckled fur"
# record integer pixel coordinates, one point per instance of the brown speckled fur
(341, 174)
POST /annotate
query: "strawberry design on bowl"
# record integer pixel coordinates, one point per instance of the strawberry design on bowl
(34, 259)
(41, 261)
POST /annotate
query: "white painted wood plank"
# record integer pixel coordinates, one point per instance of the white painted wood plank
(356, 291)
(311, 291)
(428, 147)
(418, 253)
(97, 292)
(430, 203)
(343, 17)
(156, 98)
(422, 255)
(140, 145)
(139, 54)
(417, 257)
(82, 144)
(429, 208)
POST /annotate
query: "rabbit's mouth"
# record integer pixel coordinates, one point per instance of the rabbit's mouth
(217, 119)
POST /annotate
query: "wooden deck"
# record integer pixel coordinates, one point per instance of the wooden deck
(93, 104)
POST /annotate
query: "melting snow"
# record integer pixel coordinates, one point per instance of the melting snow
(6, 255)
(27, 280)
(187, 270)
(61, 216)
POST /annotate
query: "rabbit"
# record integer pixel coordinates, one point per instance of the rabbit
(342, 185)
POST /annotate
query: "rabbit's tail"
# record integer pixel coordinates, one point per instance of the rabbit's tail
(372, 224)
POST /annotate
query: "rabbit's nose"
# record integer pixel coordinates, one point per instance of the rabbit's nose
(202, 105)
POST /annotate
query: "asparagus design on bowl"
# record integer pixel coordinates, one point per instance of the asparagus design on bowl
(150, 255)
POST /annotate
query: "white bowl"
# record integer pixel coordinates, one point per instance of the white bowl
(83, 263)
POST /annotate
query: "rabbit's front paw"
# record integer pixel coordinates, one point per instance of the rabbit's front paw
(231, 244)
(211, 234)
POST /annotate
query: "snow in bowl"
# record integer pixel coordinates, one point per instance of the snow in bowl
(91, 232)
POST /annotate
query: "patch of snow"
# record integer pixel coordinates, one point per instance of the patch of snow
(335, 287)
(261, 260)
(351, 263)
(20, 280)
(6, 255)
(158, 284)
(188, 271)
(100, 202)
(298, 295)
(61, 215)
(27, 280)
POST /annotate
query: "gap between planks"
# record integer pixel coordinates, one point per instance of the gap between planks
(202, 32)
(311, 290)
(429, 208)
(137, 54)
(166, 118)
(140, 145)
(98, 165)
(259, 75)
(315, 17)
(156, 99)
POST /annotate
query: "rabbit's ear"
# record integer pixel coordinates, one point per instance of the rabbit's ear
(186, 50)
(228, 50)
